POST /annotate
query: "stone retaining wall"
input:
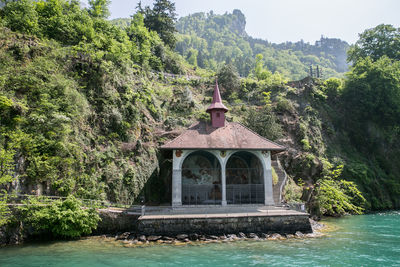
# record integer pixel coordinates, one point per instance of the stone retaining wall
(283, 224)
(113, 222)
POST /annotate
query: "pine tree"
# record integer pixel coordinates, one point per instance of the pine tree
(161, 19)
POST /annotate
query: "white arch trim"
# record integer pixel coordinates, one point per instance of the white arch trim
(265, 159)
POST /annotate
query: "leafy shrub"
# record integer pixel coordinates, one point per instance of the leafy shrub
(65, 219)
(306, 144)
(284, 105)
(4, 210)
(337, 197)
(264, 122)
(332, 87)
(292, 191)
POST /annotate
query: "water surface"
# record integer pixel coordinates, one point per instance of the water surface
(366, 240)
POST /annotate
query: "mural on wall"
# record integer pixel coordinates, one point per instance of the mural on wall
(243, 169)
(198, 169)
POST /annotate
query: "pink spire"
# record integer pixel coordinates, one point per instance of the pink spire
(217, 109)
(217, 101)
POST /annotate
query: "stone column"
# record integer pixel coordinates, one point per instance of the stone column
(223, 182)
(176, 180)
(269, 195)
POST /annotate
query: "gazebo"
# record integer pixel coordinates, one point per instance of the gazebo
(221, 163)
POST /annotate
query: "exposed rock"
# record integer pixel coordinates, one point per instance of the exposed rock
(242, 235)
(131, 236)
(123, 236)
(299, 234)
(252, 235)
(222, 237)
(167, 238)
(142, 238)
(153, 238)
(182, 236)
(263, 235)
(202, 238)
(316, 226)
(274, 237)
(232, 236)
(193, 237)
(212, 237)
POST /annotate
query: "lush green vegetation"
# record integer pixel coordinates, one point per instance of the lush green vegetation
(84, 105)
(78, 109)
(211, 41)
(60, 218)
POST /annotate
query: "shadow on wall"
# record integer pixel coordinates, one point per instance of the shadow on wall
(158, 188)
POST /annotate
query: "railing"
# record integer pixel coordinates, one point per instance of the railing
(298, 206)
(243, 186)
(284, 179)
(17, 200)
(245, 194)
(201, 194)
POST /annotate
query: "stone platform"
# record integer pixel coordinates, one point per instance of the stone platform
(222, 220)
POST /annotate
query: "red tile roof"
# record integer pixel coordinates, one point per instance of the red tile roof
(234, 135)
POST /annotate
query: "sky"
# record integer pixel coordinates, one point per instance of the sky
(289, 20)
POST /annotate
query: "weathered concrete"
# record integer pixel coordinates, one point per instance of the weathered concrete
(288, 223)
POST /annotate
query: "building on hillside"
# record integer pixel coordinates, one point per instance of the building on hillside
(221, 163)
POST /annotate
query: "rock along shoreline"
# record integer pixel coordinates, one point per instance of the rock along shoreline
(133, 239)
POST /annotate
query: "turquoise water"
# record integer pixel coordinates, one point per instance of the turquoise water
(366, 240)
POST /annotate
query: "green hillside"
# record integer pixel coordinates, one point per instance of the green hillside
(211, 40)
(86, 104)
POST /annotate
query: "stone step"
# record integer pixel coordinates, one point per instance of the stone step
(281, 177)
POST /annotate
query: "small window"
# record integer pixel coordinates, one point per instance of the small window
(217, 114)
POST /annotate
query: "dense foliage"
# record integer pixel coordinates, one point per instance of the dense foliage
(336, 196)
(383, 40)
(84, 105)
(211, 40)
(77, 109)
(161, 19)
(59, 218)
(371, 100)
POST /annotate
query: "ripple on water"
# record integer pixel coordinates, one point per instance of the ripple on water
(367, 240)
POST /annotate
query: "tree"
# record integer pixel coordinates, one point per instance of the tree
(263, 120)
(161, 19)
(336, 196)
(383, 40)
(99, 8)
(21, 16)
(333, 87)
(229, 79)
(372, 91)
(260, 72)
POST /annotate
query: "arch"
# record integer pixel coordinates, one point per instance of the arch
(201, 179)
(244, 178)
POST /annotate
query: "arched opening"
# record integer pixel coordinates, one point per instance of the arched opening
(201, 179)
(244, 179)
